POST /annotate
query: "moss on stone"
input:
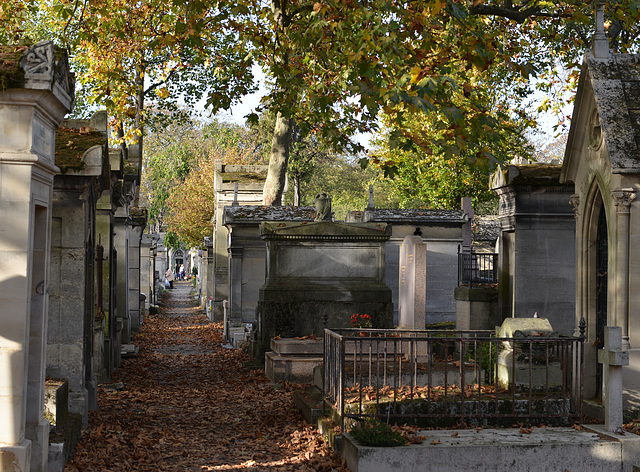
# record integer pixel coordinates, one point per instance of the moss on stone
(71, 144)
(11, 74)
(246, 177)
(130, 168)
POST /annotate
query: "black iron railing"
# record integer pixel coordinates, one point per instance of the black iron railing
(477, 268)
(444, 378)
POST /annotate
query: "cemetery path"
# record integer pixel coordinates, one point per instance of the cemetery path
(189, 404)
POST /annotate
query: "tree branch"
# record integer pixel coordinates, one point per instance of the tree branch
(515, 14)
(158, 84)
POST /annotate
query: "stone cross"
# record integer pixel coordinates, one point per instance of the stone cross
(612, 358)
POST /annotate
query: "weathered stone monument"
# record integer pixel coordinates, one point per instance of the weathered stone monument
(515, 368)
(40, 91)
(107, 261)
(322, 270)
(536, 245)
(601, 161)
(247, 256)
(413, 283)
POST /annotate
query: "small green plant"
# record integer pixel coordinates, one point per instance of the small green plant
(486, 354)
(375, 433)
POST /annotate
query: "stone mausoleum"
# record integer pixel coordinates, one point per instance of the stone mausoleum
(602, 160)
(39, 93)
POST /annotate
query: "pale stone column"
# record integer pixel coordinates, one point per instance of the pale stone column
(235, 282)
(612, 358)
(622, 199)
(28, 119)
(412, 283)
(138, 223)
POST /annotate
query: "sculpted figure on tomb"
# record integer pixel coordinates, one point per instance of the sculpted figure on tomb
(323, 207)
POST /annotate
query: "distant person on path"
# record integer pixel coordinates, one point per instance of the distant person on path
(181, 272)
(169, 276)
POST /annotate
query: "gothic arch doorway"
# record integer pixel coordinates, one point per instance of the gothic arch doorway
(594, 284)
(601, 288)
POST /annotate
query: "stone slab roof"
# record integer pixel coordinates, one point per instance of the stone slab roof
(254, 214)
(530, 175)
(486, 228)
(415, 216)
(615, 84)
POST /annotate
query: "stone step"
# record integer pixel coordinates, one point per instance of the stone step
(298, 369)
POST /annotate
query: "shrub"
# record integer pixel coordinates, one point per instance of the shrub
(375, 433)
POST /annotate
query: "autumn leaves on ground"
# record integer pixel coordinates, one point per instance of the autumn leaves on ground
(188, 404)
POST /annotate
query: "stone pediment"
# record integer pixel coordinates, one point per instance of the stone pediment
(606, 115)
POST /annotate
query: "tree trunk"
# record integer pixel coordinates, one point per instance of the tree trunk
(277, 175)
(296, 190)
(138, 125)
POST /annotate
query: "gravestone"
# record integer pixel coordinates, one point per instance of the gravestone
(412, 283)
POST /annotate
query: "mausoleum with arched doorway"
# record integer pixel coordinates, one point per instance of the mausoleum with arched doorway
(602, 159)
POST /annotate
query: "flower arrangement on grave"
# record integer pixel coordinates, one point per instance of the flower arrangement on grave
(361, 321)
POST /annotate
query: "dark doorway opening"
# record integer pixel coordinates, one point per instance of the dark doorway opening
(602, 259)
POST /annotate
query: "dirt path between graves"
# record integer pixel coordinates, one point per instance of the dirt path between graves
(189, 404)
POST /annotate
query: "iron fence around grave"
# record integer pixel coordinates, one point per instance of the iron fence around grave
(477, 268)
(444, 378)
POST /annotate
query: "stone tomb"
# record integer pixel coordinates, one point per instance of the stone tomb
(29, 116)
(536, 245)
(322, 270)
(247, 255)
(601, 161)
(234, 185)
(510, 374)
(76, 324)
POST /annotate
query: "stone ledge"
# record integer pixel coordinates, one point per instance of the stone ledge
(499, 450)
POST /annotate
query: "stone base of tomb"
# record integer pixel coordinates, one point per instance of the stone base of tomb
(541, 376)
(295, 311)
(293, 360)
(16, 457)
(67, 425)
